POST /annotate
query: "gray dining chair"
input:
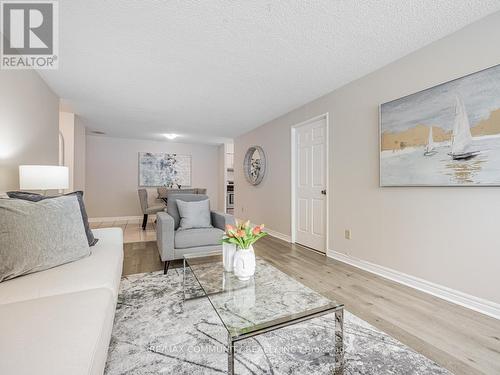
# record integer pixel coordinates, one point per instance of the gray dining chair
(146, 208)
(164, 192)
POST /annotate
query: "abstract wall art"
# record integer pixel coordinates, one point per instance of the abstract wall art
(161, 169)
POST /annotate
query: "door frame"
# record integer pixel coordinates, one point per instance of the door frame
(293, 131)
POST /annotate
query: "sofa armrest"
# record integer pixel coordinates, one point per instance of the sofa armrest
(220, 220)
(165, 235)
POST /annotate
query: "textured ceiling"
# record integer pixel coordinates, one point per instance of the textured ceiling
(217, 68)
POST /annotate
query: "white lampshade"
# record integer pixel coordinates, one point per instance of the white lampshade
(43, 177)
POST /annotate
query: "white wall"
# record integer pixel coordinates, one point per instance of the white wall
(448, 236)
(112, 173)
(28, 124)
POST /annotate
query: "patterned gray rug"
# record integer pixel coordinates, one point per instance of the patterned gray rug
(155, 332)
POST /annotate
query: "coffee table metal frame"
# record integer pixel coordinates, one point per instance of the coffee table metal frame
(275, 324)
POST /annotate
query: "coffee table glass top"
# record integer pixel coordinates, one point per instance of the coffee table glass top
(268, 299)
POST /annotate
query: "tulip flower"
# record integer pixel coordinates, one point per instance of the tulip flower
(243, 234)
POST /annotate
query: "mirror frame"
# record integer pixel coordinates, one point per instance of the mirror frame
(246, 164)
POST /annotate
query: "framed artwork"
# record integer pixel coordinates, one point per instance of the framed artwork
(161, 169)
(254, 165)
(447, 135)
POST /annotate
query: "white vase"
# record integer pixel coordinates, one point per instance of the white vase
(244, 263)
(228, 250)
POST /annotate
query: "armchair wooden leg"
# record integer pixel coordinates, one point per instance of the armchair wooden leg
(165, 267)
(144, 222)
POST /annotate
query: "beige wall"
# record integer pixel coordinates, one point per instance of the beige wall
(79, 157)
(221, 151)
(28, 124)
(73, 131)
(67, 129)
(448, 236)
(112, 173)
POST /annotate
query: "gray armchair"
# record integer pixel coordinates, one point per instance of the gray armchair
(174, 244)
(146, 208)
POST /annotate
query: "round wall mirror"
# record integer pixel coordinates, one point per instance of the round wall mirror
(254, 165)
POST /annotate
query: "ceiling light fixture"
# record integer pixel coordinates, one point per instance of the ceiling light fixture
(171, 136)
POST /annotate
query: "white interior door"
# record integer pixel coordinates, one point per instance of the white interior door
(310, 184)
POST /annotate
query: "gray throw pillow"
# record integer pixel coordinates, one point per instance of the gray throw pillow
(35, 236)
(34, 197)
(194, 214)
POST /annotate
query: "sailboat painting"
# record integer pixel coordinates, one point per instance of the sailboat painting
(448, 135)
(461, 138)
(430, 149)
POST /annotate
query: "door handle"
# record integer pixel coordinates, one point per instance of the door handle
(323, 192)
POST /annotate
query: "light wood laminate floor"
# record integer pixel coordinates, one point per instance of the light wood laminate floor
(132, 229)
(457, 338)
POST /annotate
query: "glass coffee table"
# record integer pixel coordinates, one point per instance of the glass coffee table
(269, 301)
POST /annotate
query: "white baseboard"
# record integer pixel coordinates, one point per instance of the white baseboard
(119, 218)
(451, 295)
(273, 233)
(281, 236)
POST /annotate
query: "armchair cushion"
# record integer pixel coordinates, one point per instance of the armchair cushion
(172, 205)
(198, 237)
(194, 214)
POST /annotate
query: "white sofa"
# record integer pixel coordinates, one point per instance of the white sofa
(59, 321)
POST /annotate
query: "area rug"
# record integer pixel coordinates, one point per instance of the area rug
(156, 332)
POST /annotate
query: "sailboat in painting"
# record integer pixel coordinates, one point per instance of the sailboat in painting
(462, 138)
(430, 148)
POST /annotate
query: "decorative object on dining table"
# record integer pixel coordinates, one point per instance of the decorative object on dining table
(161, 169)
(172, 185)
(243, 236)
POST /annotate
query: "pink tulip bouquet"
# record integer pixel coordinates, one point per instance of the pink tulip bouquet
(243, 235)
